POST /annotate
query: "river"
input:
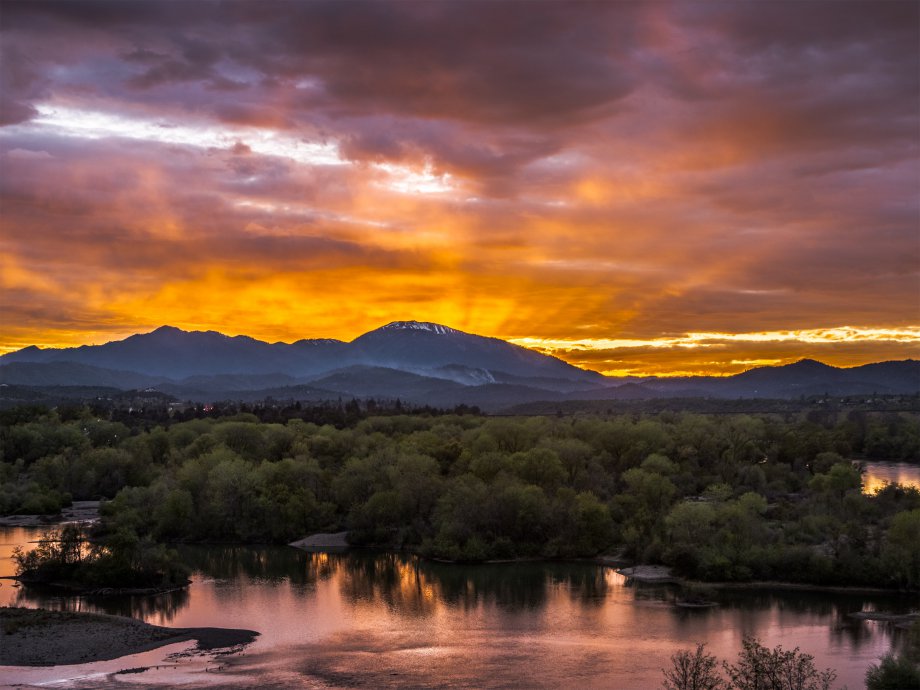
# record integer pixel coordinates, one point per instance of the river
(388, 620)
(877, 474)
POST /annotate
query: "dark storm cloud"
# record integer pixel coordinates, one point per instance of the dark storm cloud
(489, 61)
(420, 78)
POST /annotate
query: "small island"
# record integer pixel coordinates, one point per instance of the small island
(37, 637)
(118, 563)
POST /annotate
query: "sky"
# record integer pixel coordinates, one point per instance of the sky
(636, 187)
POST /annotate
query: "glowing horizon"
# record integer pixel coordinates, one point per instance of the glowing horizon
(573, 351)
(635, 188)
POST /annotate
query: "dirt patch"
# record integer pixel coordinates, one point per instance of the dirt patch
(322, 542)
(36, 637)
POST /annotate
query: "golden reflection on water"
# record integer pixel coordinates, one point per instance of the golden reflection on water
(382, 619)
(878, 475)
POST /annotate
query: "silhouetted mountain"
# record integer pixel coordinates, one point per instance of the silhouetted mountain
(176, 354)
(413, 344)
(423, 363)
(805, 377)
(407, 345)
(468, 376)
(382, 382)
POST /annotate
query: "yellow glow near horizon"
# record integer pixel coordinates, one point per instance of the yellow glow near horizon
(909, 334)
(730, 353)
(671, 362)
(664, 212)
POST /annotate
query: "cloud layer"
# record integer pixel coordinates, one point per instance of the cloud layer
(563, 172)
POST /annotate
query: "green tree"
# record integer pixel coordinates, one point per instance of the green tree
(901, 549)
(901, 672)
(893, 673)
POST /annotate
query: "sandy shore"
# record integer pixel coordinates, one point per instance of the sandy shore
(648, 573)
(322, 541)
(36, 637)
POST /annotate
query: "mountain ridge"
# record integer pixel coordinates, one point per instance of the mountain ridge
(415, 361)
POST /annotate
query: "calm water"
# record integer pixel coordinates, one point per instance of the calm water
(878, 474)
(387, 620)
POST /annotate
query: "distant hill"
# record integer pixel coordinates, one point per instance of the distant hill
(418, 362)
(384, 382)
(175, 354)
(805, 377)
(71, 374)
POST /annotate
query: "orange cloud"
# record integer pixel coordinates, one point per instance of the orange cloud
(621, 174)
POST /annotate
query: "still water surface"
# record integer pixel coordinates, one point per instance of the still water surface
(388, 620)
(878, 474)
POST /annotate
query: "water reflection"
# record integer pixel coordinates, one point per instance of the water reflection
(820, 608)
(380, 619)
(404, 582)
(164, 606)
(878, 474)
(513, 587)
(269, 564)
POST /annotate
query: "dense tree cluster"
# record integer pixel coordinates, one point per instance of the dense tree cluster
(718, 497)
(67, 558)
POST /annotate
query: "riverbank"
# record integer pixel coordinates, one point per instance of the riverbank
(37, 637)
(323, 541)
(644, 573)
(80, 589)
(78, 511)
(660, 574)
(900, 620)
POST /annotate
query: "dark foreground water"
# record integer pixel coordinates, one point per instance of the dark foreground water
(386, 620)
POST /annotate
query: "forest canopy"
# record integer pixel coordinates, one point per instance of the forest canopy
(717, 497)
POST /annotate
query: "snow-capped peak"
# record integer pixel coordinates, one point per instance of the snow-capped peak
(418, 326)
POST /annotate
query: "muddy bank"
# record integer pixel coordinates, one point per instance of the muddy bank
(79, 511)
(36, 637)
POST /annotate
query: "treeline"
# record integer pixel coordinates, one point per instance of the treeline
(143, 414)
(728, 497)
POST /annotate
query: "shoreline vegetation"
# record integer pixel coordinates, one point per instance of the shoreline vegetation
(120, 563)
(644, 573)
(39, 637)
(721, 499)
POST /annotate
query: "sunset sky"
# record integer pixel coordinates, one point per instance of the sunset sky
(637, 187)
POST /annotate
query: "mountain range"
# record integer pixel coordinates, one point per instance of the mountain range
(418, 362)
